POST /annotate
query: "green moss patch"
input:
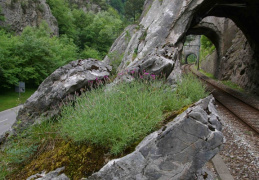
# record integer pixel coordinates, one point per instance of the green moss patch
(80, 160)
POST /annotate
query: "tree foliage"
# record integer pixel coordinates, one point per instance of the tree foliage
(207, 47)
(1, 16)
(32, 56)
(118, 5)
(95, 31)
(133, 9)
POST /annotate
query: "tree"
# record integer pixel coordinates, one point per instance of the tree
(1, 16)
(33, 55)
(133, 8)
(118, 5)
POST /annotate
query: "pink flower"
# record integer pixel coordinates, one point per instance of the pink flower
(132, 72)
(153, 76)
(146, 73)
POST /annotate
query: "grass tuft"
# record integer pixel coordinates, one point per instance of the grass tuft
(98, 125)
(118, 118)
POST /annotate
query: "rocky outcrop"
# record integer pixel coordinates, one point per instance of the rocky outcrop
(165, 24)
(234, 58)
(74, 77)
(240, 64)
(21, 13)
(177, 151)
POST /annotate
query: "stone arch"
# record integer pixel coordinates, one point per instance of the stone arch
(244, 13)
(188, 54)
(192, 47)
(208, 28)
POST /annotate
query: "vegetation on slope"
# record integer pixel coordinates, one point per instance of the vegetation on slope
(32, 56)
(207, 47)
(36, 53)
(102, 123)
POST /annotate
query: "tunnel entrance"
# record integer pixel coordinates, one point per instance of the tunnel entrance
(236, 49)
(191, 59)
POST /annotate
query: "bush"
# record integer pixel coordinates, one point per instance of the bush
(207, 47)
(117, 118)
(32, 56)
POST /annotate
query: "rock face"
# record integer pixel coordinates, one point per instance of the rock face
(234, 58)
(21, 13)
(177, 151)
(165, 24)
(60, 84)
(240, 64)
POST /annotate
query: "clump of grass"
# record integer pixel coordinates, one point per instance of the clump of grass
(207, 74)
(117, 118)
(233, 85)
(98, 122)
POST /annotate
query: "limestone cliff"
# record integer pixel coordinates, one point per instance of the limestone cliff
(20, 13)
(165, 24)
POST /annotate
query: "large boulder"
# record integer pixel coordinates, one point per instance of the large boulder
(177, 151)
(66, 80)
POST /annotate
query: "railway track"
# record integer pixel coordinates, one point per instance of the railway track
(247, 112)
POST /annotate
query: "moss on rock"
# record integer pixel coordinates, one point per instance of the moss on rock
(80, 160)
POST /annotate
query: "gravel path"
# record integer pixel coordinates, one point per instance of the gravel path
(241, 149)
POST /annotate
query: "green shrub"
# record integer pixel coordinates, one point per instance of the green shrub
(33, 55)
(90, 53)
(117, 118)
(207, 47)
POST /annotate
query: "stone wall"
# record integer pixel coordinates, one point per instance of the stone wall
(208, 64)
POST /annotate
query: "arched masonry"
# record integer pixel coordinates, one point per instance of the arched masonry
(192, 47)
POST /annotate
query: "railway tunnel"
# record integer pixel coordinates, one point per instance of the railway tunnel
(236, 59)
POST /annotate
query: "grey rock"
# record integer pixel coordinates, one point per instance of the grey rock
(60, 86)
(53, 175)
(153, 64)
(120, 44)
(177, 151)
(21, 13)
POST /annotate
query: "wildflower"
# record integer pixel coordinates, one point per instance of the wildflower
(132, 72)
(146, 73)
(153, 76)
